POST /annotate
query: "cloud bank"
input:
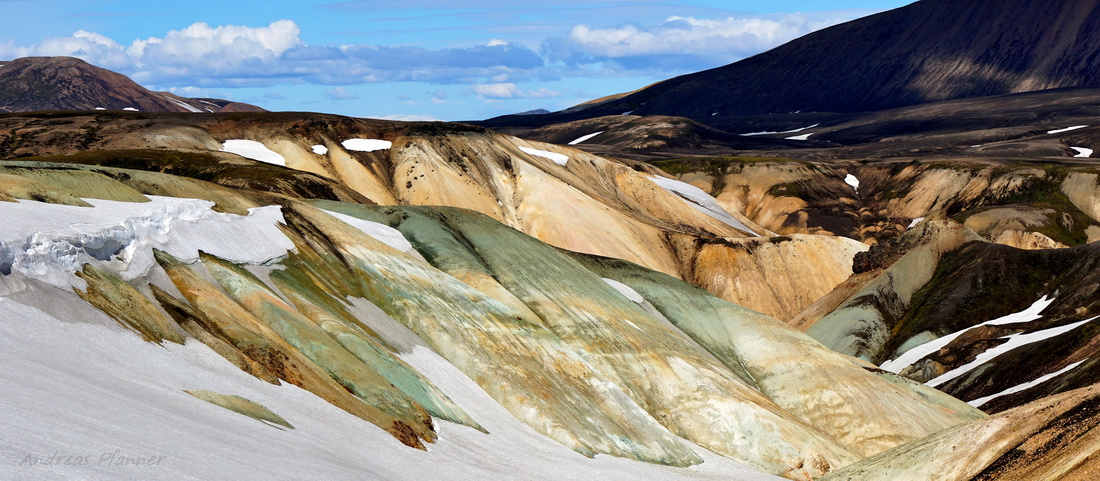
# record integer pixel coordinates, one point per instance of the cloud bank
(207, 56)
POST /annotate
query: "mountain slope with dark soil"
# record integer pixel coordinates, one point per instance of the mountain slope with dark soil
(928, 51)
(66, 83)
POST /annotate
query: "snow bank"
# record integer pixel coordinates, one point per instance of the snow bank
(380, 232)
(78, 389)
(1067, 129)
(184, 105)
(701, 201)
(50, 242)
(921, 351)
(1014, 341)
(1082, 152)
(852, 181)
(557, 158)
(250, 149)
(626, 291)
(1025, 386)
(584, 138)
(366, 145)
(319, 149)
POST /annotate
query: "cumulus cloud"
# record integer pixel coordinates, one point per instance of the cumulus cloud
(212, 57)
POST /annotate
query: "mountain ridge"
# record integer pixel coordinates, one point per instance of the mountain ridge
(68, 83)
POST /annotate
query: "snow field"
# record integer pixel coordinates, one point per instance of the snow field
(559, 159)
(366, 145)
(250, 149)
(701, 201)
(584, 138)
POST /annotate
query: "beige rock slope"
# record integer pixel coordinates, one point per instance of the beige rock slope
(562, 196)
(1055, 438)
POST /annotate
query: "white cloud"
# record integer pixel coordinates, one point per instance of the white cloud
(226, 56)
(731, 38)
(501, 91)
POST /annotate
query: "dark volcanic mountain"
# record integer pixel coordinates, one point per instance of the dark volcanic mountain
(66, 83)
(928, 51)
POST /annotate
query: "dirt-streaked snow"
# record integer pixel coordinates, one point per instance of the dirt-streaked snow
(184, 105)
(366, 145)
(584, 138)
(625, 290)
(1014, 341)
(49, 242)
(921, 351)
(319, 149)
(250, 149)
(701, 201)
(1082, 152)
(382, 232)
(1067, 129)
(1025, 386)
(559, 159)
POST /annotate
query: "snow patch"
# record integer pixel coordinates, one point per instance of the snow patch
(184, 105)
(50, 242)
(250, 149)
(100, 108)
(920, 352)
(1067, 129)
(627, 112)
(852, 181)
(366, 145)
(1082, 152)
(131, 109)
(380, 232)
(1014, 341)
(913, 223)
(701, 201)
(625, 290)
(559, 159)
(800, 137)
(792, 131)
(1025, 386)
(319, 149)
(584, 138)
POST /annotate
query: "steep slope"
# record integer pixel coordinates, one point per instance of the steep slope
(66, 83)
(1055, 438)
(565, 197)
(927, 51)
(316, 296)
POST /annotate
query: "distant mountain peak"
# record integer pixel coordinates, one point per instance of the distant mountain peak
(67, 83)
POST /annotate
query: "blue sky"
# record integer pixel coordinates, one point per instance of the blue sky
(404, 59)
